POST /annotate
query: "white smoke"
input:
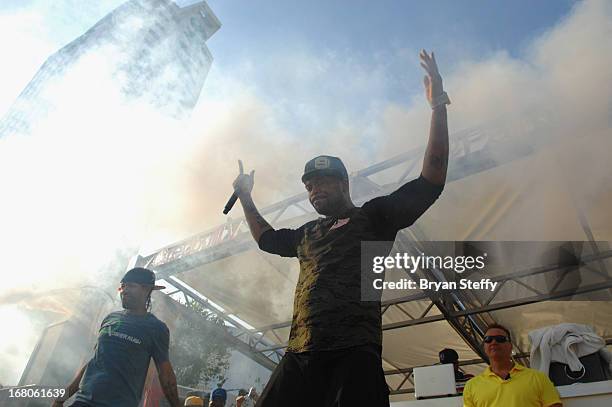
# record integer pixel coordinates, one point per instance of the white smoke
(96, 178)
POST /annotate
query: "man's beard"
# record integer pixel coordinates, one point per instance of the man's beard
(127, 303)
(330, 207)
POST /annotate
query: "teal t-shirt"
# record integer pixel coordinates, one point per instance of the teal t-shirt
(116, 374)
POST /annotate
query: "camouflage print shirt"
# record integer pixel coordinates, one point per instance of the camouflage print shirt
(328, 312)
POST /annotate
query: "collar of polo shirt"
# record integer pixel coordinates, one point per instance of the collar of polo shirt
(516, 368)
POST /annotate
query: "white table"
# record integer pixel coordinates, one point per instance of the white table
(596, 394)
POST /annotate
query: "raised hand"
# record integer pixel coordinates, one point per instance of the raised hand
(433, 80)
(243, 184)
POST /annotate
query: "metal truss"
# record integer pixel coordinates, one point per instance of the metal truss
(472, 151)
(469, 154)
(234, 237)
(444, 301)
(458, 313)
(250, 343)
(253, 342)
(469, 328)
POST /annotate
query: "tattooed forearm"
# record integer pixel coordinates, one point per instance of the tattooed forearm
(73, 387)
(167, 380)
(170, 391)
(260, 220)
(257, 224)
(249, 206)
(439, 162)
(436, 154)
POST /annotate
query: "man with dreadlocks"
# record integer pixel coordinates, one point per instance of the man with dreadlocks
(127, 341)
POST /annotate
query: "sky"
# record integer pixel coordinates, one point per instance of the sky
(257, 35)
(289, 80)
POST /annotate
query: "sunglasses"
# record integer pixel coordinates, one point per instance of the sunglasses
(497, 338)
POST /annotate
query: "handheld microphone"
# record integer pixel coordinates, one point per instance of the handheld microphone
(230, 203)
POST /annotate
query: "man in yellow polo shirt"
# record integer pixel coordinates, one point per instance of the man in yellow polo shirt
(506, 383)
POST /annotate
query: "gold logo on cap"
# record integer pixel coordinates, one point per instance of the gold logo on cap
(321, 163)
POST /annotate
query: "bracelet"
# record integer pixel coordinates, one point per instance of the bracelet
(440, 100)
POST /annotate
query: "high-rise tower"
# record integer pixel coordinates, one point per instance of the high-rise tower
(155, 51)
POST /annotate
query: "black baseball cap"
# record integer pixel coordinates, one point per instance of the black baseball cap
(325, 165)
(448, 356)
(141, 275)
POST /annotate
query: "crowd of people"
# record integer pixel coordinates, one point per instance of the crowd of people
(220, 398)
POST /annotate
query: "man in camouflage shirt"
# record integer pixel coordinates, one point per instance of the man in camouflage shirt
(334, 353)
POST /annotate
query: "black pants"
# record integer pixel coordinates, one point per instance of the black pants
(341, 378)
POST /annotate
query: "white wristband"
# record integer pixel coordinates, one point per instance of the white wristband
(441, 99)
